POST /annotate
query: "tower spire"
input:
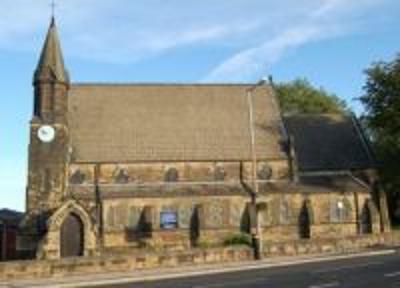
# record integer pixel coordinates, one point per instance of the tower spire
(51, 63)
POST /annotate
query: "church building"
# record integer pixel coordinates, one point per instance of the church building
(125, 167)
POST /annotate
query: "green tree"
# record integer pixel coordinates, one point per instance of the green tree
(299, 96)
(382, 116)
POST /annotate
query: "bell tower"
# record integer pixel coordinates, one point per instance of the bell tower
(49, 141)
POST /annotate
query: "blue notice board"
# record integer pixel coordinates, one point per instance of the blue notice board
(168, 220)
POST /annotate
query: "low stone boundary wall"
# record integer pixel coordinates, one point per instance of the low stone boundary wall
(32, 269)
(75, 266)
(337, 245)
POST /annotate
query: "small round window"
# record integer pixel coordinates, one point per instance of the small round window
(265, 173)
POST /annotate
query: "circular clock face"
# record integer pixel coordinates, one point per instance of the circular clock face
(46, 133)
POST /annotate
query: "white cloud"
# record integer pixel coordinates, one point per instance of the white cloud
(108, 30)
(245, 64)
(330, 19)
(126, 31)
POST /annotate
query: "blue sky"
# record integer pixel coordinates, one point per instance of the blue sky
(330, 42)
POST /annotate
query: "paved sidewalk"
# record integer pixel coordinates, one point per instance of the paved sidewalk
(179, 272)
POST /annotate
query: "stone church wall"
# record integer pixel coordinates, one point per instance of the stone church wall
(280, 219)
(222, 217)
(134, 193)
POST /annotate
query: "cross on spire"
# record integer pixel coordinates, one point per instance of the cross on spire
(53, 8)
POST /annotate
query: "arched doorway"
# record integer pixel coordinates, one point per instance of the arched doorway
(72, 237)
(366, 220)
(304, 222)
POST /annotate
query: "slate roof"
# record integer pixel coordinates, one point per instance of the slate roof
(339, 183)
(315, 184)
(328, 142)
(171, 122)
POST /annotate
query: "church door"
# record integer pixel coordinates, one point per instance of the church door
(72, 237)
(304, 222)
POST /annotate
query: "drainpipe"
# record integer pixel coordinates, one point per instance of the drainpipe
(256, 232)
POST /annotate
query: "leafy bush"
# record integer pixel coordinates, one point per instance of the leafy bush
(238, 239)
(381, 103)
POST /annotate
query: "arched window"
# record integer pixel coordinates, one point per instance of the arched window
(134, 217)
(305, 219)
(245, 221)
(216, 213)
(264, 211)
(195, 225)
(111, 217)
(145, 225)
(366, 219)
(284, 211)
(171, 175)
(340, 210)
(184, 214)
(348, 210)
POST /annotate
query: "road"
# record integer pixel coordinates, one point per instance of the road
(365, 272)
